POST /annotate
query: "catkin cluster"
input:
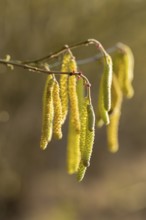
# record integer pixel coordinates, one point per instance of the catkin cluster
(71, 96)
(111, 92)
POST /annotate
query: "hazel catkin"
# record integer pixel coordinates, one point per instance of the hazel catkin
(48, 113)
(57, 124)
(64, 85)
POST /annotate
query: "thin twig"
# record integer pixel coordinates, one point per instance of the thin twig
(66, 47)
(35, 69)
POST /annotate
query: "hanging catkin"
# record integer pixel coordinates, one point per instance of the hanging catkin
(102, 114)
(73, 97)
(123, 64)
(112, 128)
(87, 132)
(81, 172)
(107, 81)
(64, 85)
(73, 148)
(48, 113)
(57, 124)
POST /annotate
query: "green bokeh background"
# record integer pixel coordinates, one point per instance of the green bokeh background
(34, 185)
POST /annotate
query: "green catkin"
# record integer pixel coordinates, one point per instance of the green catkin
(91, 117)
(64, 85)
(84, 124)
(73, 148)
(48, 113)
(87, 151)
(73, 97)
(123, 65)
(102, 114)
(112, 128)
(107, 81)
(81, 172)
(57, 124)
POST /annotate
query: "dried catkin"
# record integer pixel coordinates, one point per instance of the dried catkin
(48, 113)
(73, 148)
(73, 97)
(107, 81)
(64, 85)
(57, 124)
(112, 128)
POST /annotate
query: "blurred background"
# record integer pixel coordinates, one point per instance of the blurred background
(34, 184)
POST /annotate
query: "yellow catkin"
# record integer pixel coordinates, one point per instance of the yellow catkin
(87, 150)
(102, 114)
(107, 81)
(64, 85)
(48, 113)
(57, 124)
(81, 172)
(73, 97)
(112, 128)
(123, 65)
(112, 132)
(73, 148)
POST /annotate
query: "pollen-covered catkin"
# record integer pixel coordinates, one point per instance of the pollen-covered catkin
(73, 97)
(48, 113)
(57, 124)
(73, 148)
(112, 128)
(102, 114)
(107, 81)
(64, 85)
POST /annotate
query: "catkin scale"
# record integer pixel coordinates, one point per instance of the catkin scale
(57, 124)
(48, 113)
